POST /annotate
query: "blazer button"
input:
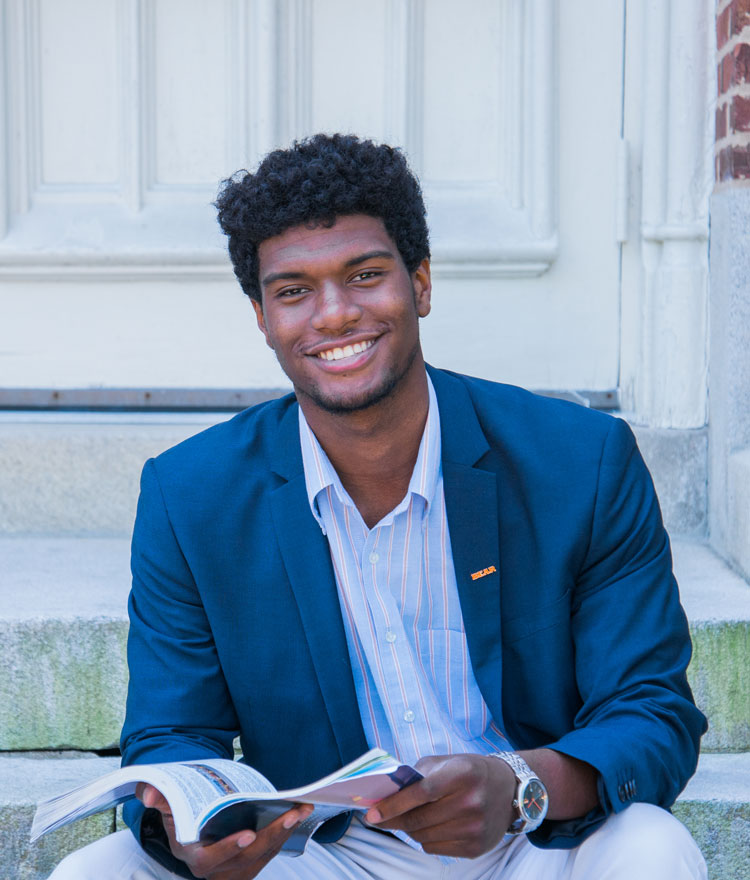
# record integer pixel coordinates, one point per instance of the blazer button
(621, 790)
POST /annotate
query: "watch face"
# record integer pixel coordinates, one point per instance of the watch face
(534, 802)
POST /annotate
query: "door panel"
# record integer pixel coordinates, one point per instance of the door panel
(122, 115)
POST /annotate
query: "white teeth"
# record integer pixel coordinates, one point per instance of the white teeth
(336, 354)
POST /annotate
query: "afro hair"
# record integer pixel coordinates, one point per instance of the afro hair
(313, 182)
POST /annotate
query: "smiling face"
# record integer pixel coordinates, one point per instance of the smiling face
(341, 312)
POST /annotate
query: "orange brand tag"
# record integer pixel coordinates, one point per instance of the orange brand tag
(475, 575)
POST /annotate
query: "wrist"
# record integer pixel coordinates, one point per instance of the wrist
(530, 800)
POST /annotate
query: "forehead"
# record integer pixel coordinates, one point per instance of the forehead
(301, 248)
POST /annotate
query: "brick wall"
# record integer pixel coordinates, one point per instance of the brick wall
(733, 106)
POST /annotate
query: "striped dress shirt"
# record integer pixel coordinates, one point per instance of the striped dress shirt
(415, 686)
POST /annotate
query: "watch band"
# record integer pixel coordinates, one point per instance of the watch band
(531, 800)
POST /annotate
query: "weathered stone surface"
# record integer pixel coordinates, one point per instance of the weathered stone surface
(721, 682)
(63, 628)
(717, 602)
(739, 510)
(68, 475)
(678, 460)
(77, 474)
(62, 683)
(715, 806)
(729, 374)
(23, 782)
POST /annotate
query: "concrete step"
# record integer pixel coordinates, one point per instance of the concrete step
(717, 602)
(27, 779)
(77, 473)
(715, 807)
(63, 627)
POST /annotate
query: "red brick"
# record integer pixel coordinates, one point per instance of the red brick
(721, 122)
(722, 27)
(741, 72)
(726, 72)
(733, 163)
(740, 162)
(739, 114)
(740, 15)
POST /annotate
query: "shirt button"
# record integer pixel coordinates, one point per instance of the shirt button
(409, 716)
(390, 636)
(374, 557)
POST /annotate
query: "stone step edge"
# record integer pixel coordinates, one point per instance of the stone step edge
(41, 572)
(27, 777)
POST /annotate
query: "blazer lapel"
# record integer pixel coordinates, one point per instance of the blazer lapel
(307, 559)
(471, 504)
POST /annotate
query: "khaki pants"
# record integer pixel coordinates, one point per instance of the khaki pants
(641, 843)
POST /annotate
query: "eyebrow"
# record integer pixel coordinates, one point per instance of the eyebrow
(354, 261)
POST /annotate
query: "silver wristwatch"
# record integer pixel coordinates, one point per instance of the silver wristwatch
(531, 800)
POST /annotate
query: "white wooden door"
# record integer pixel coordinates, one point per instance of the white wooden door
(120, 116)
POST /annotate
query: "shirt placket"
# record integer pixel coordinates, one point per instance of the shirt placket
(393, 661)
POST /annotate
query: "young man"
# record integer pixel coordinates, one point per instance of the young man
(472, 577)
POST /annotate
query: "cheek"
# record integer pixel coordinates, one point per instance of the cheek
(282, 336)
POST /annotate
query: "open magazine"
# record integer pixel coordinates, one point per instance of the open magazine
(216, 797)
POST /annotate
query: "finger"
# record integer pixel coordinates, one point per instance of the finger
(283, 825)
(150, 796)
(437, 782)
(452, 810)
(245, 848)
(241, 867)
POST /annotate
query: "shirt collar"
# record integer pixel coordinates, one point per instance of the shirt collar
(320, 473)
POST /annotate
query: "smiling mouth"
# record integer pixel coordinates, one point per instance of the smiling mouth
(346, 351)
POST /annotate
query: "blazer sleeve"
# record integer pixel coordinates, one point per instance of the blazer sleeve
(171, 658)
(638, 724)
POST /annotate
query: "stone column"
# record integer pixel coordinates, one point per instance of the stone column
(729, 374)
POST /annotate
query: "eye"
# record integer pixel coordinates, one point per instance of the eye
(290, 292)
(367, 275)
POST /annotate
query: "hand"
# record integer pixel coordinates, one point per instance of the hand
(462, 807)
(240, 856)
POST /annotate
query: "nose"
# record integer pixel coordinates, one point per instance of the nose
(335, 309)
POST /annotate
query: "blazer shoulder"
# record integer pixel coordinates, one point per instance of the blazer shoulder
(509, 410)
(249, 436)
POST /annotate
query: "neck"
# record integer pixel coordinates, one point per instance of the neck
(374, 450)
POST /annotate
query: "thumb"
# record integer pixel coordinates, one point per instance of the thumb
(151, 797)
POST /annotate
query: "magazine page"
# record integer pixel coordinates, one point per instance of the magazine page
(357, 786)
(199, 791)
(192, 787)
(189, 787)
(361, 791)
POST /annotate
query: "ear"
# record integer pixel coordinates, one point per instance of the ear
(422, 283)
(261, 321)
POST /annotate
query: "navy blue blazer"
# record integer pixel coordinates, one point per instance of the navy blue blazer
(577, 639)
